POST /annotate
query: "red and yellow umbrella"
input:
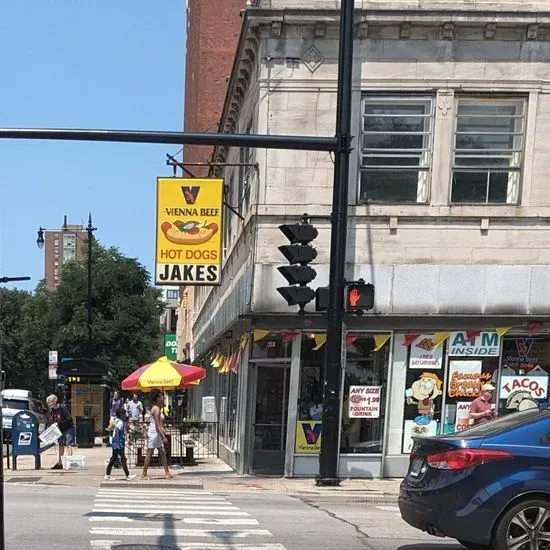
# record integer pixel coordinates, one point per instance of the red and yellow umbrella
(163, 374)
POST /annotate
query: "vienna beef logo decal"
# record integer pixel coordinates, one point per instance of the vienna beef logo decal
(308, 437)
(189, 236)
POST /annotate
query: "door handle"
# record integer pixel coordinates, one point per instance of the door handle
(545, 439)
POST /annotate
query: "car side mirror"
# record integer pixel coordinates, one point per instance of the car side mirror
(545, 439)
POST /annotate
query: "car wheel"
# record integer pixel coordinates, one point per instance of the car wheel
(475, 545)
(525, 526)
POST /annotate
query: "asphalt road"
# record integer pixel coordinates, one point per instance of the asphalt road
(49, 517)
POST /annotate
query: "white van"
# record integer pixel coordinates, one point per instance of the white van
(20, 400)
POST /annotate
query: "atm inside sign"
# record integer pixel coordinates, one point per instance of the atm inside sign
(189, 231)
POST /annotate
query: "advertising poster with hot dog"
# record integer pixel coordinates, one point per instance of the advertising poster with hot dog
(189, 231)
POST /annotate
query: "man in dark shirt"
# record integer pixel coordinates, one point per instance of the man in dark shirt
(482, 408)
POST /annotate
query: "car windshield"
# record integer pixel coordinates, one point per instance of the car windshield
(15, 404)
(501, 424)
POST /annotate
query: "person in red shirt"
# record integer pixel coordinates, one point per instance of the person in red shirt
(482, 408)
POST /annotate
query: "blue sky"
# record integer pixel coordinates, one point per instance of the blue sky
(82, 64)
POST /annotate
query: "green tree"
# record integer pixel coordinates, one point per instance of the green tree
(126, 321)
(126, 311)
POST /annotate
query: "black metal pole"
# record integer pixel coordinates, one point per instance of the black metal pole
(2, 379)
(90, 230)
(328, 459)
(303, 143)
(2, 536)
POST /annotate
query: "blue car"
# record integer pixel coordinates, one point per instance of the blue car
(487, 486)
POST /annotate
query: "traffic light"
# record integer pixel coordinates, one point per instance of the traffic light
(359, 296)
(299, 254)
(321, 298)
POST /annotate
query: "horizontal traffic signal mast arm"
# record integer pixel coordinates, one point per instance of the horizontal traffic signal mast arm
(303, 143)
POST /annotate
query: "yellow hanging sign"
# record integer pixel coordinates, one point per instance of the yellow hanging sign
(189, 231)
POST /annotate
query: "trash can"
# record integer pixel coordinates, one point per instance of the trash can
(85, 432)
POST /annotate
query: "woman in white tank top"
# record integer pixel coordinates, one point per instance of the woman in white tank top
(156, 436)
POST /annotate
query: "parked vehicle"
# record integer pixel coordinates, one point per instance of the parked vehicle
(20, 400)
(487, 486)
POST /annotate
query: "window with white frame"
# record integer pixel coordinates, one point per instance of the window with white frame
(396, 148)
(488, 150)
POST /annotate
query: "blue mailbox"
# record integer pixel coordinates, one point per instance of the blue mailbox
(24, 437)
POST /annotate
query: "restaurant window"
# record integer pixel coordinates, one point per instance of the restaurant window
(274, 345)
(396, 149)
(488, 150)
(445, 372)
(524, 373)
(310, 398)
(365, 386)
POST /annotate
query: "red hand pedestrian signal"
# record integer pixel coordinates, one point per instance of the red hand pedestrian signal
(353, 297)
(360, 296)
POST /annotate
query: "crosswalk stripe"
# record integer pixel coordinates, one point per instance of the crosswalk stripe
(161, 508)
(166, 502)
(162, 532)
(110, 518)
(108, 545)
(166, 496)
(104, 544)
(160, 511)
(150, 492)
(388, 508)
(216, 521)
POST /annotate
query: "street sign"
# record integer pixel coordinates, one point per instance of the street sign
(52, 372)
(52, 357)
(189, 231)
(171, 346)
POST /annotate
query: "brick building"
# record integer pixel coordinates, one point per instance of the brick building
(69, 242)
(212, 34)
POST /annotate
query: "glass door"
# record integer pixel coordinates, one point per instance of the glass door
(270, 417)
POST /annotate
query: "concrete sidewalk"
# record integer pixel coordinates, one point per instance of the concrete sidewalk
(210, 474)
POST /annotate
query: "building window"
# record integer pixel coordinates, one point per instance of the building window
(365, 386)
(396, 144)
(488, 150)
(172, 294)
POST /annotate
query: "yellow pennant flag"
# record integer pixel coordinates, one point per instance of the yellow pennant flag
(320, 340)
(244, 341)
(216, 360)
(439, 338)
(380, 340)
(260, 335)
(501, 331)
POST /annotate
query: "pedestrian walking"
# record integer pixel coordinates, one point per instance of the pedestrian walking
(156, 436)
(60, 415)
(118, 445)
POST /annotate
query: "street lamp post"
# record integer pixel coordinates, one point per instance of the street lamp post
(2, 379)
(90, 231)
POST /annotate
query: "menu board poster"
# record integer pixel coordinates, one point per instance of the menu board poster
(424, 354)
(364, 401)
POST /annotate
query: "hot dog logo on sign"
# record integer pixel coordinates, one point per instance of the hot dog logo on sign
(189, 240)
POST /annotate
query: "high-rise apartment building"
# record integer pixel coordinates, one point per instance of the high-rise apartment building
(60, 246)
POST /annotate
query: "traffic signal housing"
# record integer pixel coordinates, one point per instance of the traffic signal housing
(299, 253)
(359, 296)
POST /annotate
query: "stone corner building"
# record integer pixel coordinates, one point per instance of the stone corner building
(449, 213)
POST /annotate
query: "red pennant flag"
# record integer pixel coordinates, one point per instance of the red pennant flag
(234, 367)
(350, 339)
(533, 328)
(289, 335)
(408, 339)
(472, 334)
